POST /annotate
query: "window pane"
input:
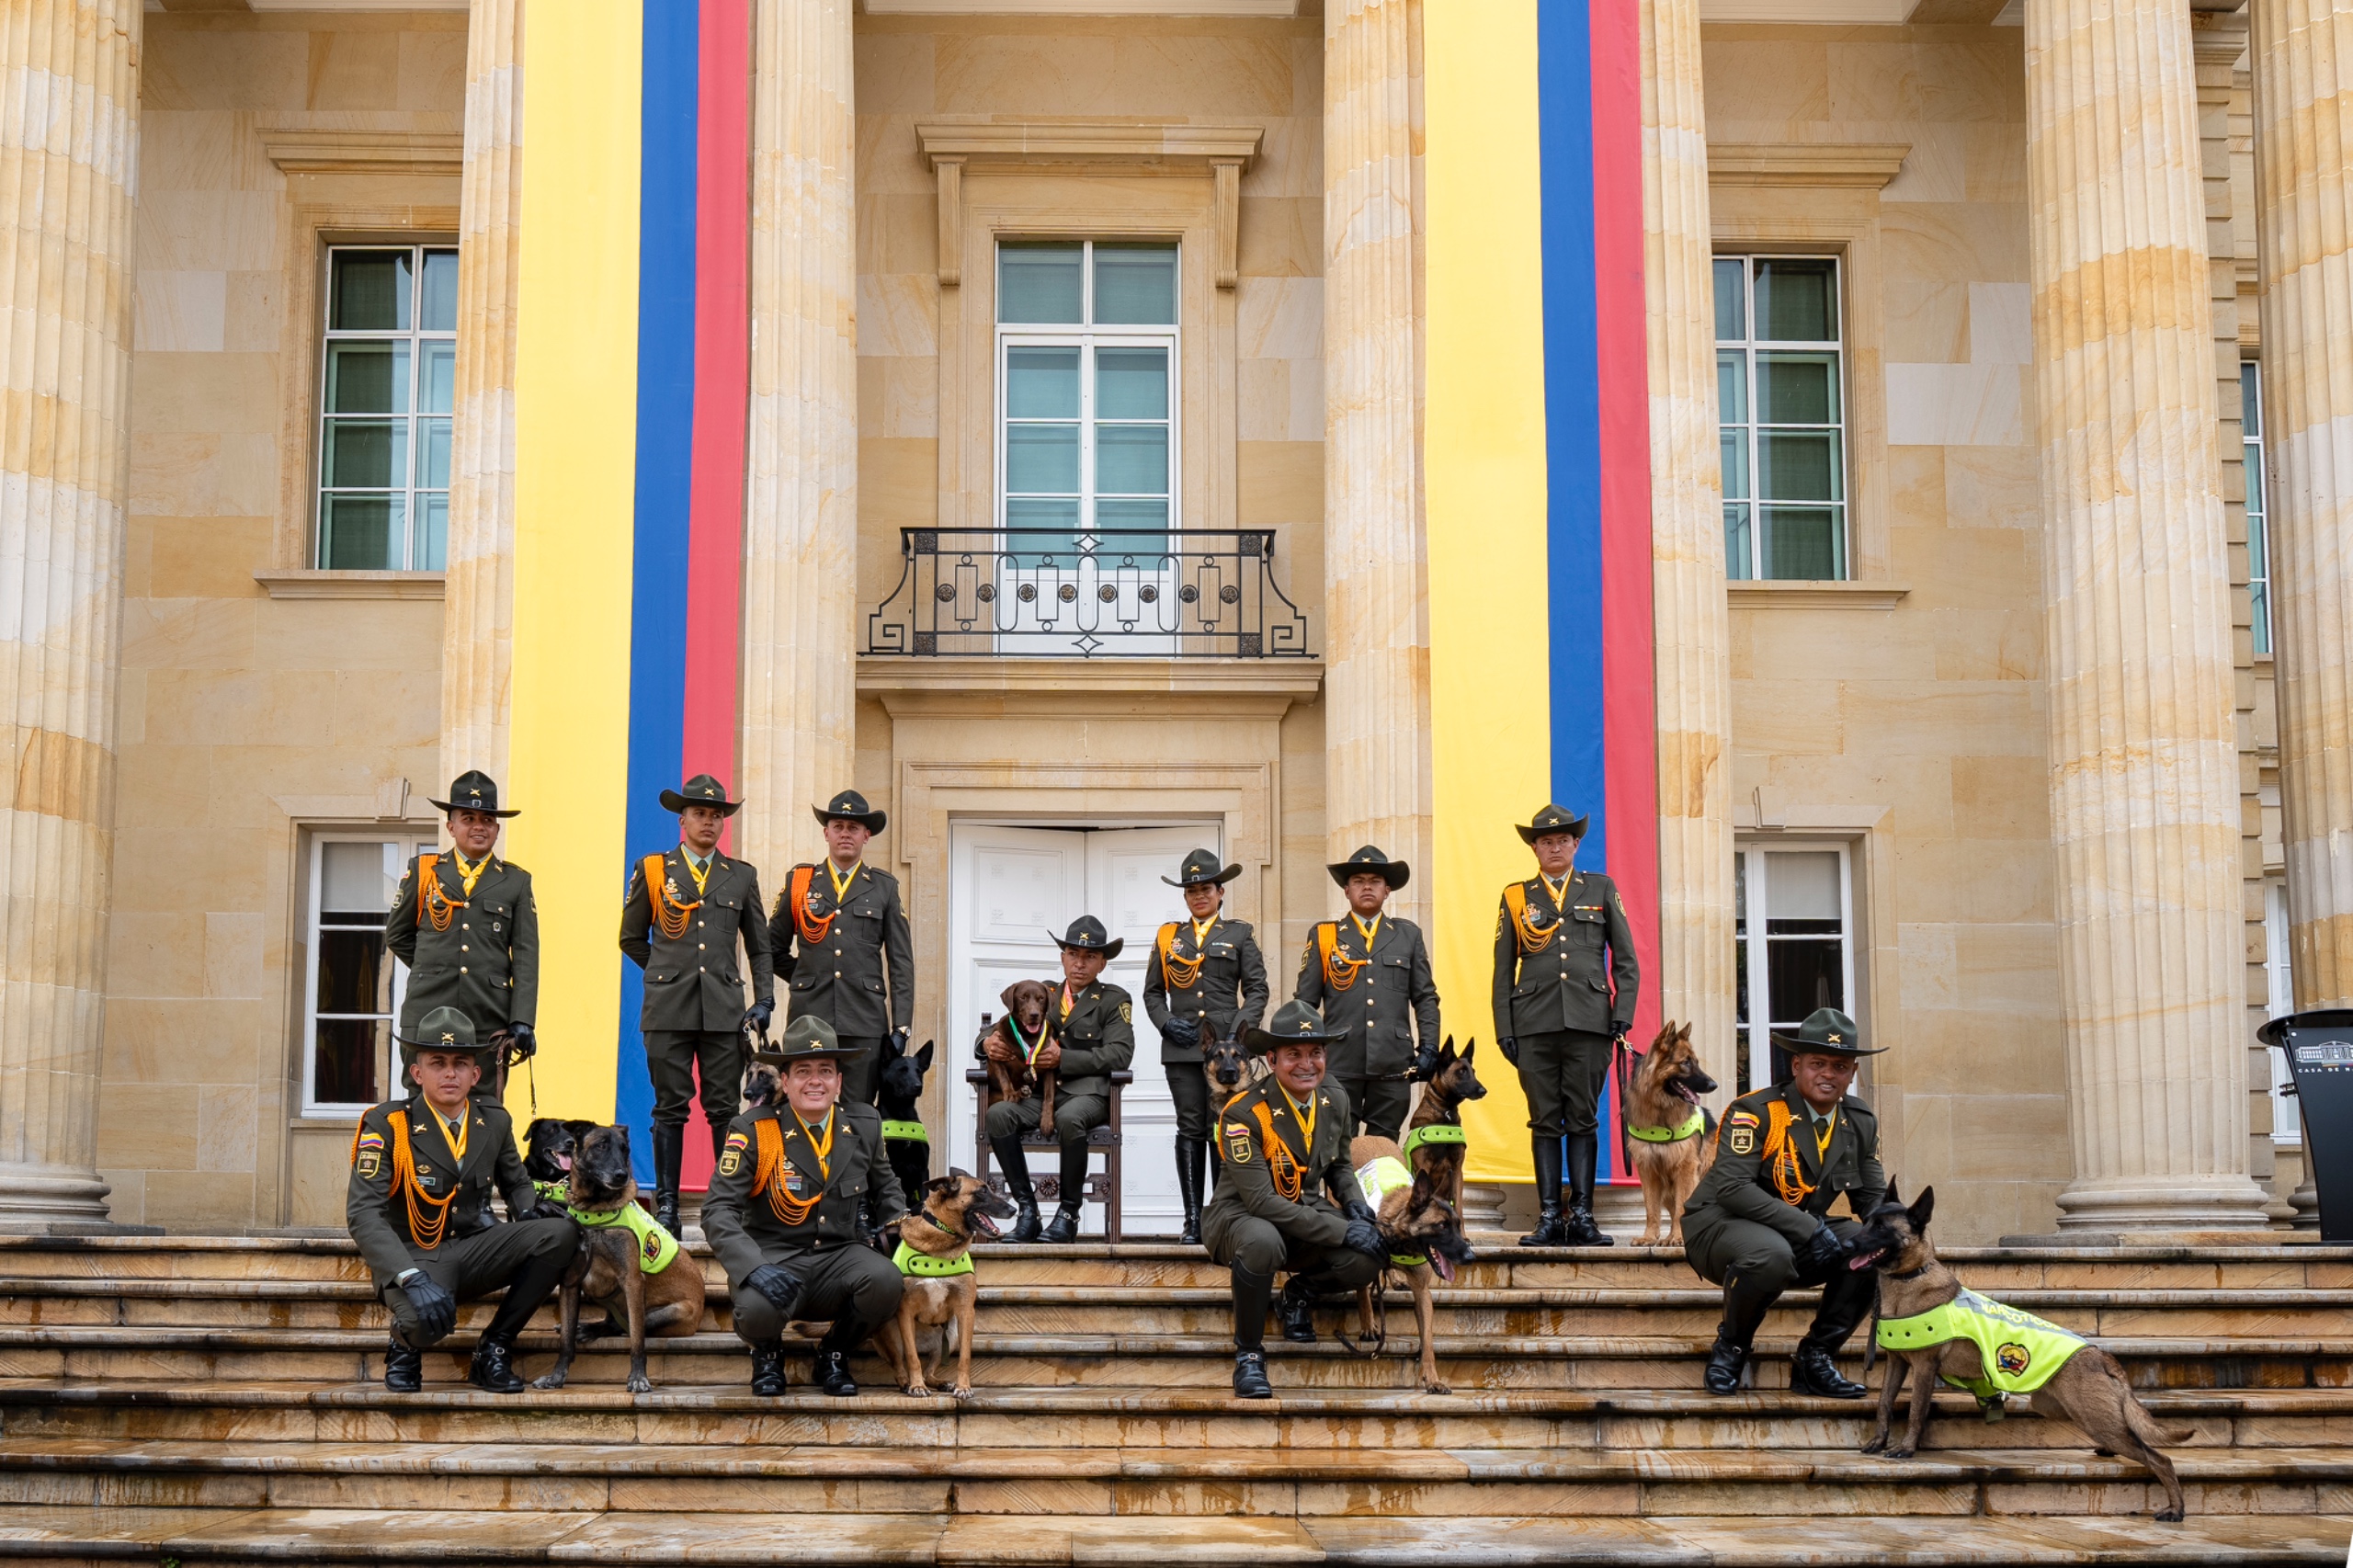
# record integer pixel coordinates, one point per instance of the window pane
(368, 378)
(2250, 400)
(1736, 465)
(345, 1054)
(1739, 555)
(1042, 457)
(1732, 310)
(1131, 460)
(1042, 383)
(1043, 527)
(2259, 599)
(1802, 886)
(1037, 283)
(440, 312)
(436, 389)
(1798, 466)
(353, 887)
(1796, 301)
(362, 532)
(1802, 976)
(350, 965)
(432, 534)
(1136, 285)
(1132, 384)
(1804, 544)
(432, 454)
(1732, 387)
(370, 292)
(1149, 515)
(367, 454)
(1797, 389)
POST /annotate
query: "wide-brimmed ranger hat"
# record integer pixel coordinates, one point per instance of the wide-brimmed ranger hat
(851, 806)
(472, 790)
(1203, 865)
(1550, 821)
(1089, 934)
(1294, 1023)
(807, 1040)
(444, 1028)
(1826, 1032)
(703, 789)
(1370, 858)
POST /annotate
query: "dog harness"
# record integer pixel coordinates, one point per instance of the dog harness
(1690, 1128)
(1435, 1132)
(2018, 1352)
(905, 1133)
(1380, 1177)
(657, 1249)
(923, 1265)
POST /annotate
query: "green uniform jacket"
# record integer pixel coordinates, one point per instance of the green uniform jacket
(1738, 1187)
(486, 964)
(867, 959)
(1391, 997)
(1247, 1184)
(1232, 966)
(378, 1221)
(1097, 1037)
(691, 981)
(744, 1230)
(1584, 977)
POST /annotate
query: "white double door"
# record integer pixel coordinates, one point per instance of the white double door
(1011, 892)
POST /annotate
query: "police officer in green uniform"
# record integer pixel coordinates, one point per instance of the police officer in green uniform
(783, 1213)
(1094, 1035)
(1203, 981)
(423, 1170)
(842, 946)
(685, 912)
(464, 923)
(1369, 975)
(1565, 981)
(1290, 1199)
(1758, 1224)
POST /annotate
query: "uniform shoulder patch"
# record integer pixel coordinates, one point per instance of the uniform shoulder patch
(371, 1161)
(738, 1140)
(1127, 1012)
(1741, 1140)
(733, 1160)
(1237, 1145)
(1741, 1118)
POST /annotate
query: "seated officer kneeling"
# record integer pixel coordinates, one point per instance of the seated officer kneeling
(422, 1173)
(1285, 1143)
(1757, 1225)
(783, 1207)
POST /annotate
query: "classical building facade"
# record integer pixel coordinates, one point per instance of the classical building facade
(1988, 402)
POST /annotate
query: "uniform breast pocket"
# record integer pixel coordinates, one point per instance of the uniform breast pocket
(805, 980)
(1586, 926)
(867, 911)
(661, 976)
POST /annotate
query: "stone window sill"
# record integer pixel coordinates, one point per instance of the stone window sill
(1816, 595)
(326, 584)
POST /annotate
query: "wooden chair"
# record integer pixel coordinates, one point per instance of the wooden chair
(1102, 1186)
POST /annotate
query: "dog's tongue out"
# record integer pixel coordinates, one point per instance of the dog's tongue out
(1865, 1260)
(983, 1226)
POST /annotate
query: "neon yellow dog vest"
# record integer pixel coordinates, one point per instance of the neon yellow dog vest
(923, 1265)
(2018, 1350)
(1376, 1179)
(656, 1248)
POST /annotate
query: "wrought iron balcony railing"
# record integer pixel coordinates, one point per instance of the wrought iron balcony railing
(1136, 593)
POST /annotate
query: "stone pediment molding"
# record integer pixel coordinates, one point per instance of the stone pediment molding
(1854, 165)
(306, 150)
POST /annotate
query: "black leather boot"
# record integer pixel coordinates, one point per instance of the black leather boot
(1549, 1231)
(404, 1367)
(1734, 1334)
(1190, 1154)
(833, 1357)
(1251, 1292)
(492, 1371)
(1297, 1309)
(669, 1156)
(1015, 1163)
(1064, 1227)
(1846, 1297)
(1585, 1154)
(767, 1368)
(1813, 1371)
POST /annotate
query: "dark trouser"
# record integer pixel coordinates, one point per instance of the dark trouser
(1562, 1074)
(1188, 1086)
(855, 1282)
(1755, 1263)
(1075, 1115)
(672, 1057)
(1378, 1103)
(859, 1072)
(527, 1258)
(1250, 1245)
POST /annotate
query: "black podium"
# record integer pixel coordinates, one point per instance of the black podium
(2320, 1054)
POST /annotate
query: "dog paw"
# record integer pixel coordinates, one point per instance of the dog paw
(960, 1390)
(2169, 1517)
(551, 1380)
(1895, 1453)
(917, 1391)
(1873, 1446)
(1435, 1388)
(640, 1385)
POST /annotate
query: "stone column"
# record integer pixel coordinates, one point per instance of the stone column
(801, 503)
(2144, 756)
(1376, 637)
(478, 615)
(1689, 617)
(69, 152)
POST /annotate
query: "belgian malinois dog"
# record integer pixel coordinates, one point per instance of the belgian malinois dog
(2088, 1390)
(609, 1266)
(958, 1210)
(1027, 1023)
(1662, 1092)
(1414, 1222)
(1441, 1106)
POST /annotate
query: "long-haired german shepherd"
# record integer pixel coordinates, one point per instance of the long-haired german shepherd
(1663, 1093)
(1414, 1222)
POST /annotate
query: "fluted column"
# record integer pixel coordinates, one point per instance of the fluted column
(69, 152)
(1688, 611)
(478, 613)
(800, 507)
(2143, 757)
(1377, 668)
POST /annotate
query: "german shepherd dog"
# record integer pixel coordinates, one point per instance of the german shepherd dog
(900, 1090)
(1027, 1023)
(958, 1210)
(1440, 1105)
(1229, 1068)
(609, 1267)
(1662, 1092)
(2088, 1390)
(1417, 1222)
(763, 1084)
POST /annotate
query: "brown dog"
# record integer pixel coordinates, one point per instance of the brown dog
(1440, 1105)
(2088, 1389)
(1416, 1222)
(1027, 1023)
(958, 1210)
(1230, 1069)
(1662, 1098)
(610, 1267)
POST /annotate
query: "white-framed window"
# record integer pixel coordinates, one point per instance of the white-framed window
(351, 986)
(1781, 410)
(2287, 1117)
(388, 364)
(1793, 924)
(2258, 528)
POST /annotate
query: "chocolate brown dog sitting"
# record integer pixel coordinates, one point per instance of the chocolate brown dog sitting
(1027, 1025)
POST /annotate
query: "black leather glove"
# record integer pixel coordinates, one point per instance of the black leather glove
(436, 1309)
(522, 1044)
(756, 1017)
(1182, 1031)
(1364, 1236)
(1821, 1253)
(1510, 1048)
(898, 1043)
(1425, 1062)
(777, 1283)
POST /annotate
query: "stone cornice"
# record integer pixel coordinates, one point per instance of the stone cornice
(351, 585)
(961, 688)
(1859, 165)
(1816, 595)
(307, 150)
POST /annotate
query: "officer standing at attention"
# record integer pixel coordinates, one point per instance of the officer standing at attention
(1092, 1024)
(1290, 1199)
(851, 933)
(783, 1211)
(465, 924)
(685, 912)
(1379, 962)
(1757, 1223)
(1198, 968)
(1565, 981)
(423, 1169)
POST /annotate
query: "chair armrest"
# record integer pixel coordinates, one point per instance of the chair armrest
(976, 1074)
(1123, 1077)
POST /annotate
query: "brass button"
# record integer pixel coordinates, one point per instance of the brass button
(462, 969)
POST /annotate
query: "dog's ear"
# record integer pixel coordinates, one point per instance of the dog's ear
(940, 1186)
(1922, 1207)
(1892, 1196)
(1424, 1189)
(580, 1129)
(958, 1173)
(620, 1136)
(1469, 1047)
(923, 1057)
(1446, 1053)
